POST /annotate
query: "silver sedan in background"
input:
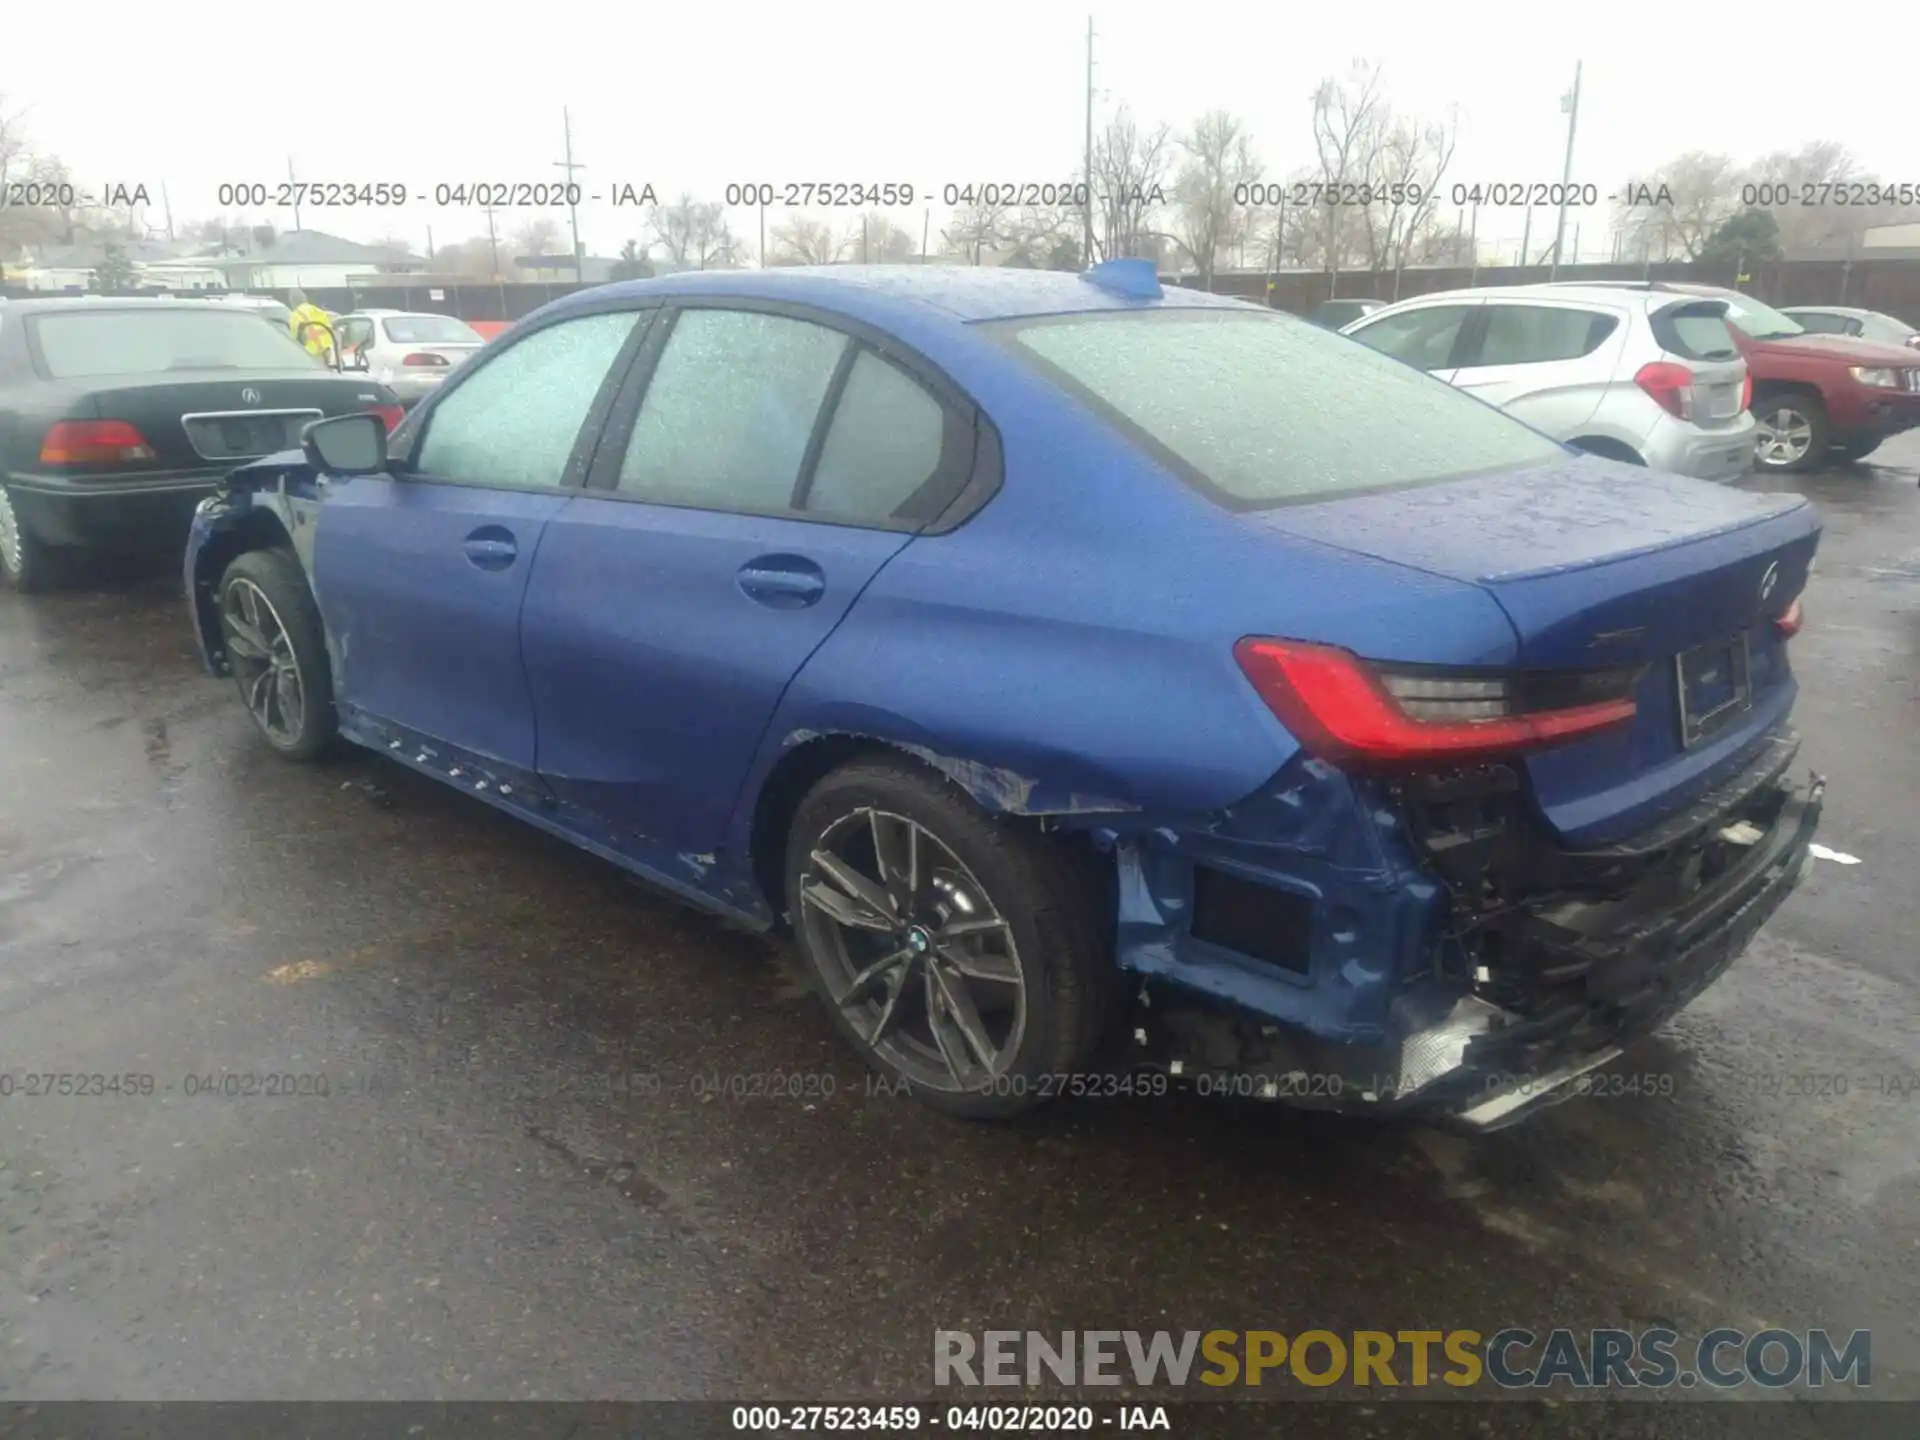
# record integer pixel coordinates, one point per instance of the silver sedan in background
(1846, 320)
(410, 352)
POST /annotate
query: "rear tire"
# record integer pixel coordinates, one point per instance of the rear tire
(277, 651)
(957, 952)
(1792, 434)
(27, 563)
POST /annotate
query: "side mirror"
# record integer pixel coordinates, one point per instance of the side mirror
(347, 445)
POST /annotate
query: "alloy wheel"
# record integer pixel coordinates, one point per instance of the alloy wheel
(263, 662)
(1784, 435)
(9, 534)
(913, 951)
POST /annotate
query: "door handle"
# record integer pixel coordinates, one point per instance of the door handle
(785, 582)
(491, 548)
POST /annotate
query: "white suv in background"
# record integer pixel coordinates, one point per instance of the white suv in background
(1652, 378)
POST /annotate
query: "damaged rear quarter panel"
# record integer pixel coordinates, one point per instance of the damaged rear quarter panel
(1088, 678)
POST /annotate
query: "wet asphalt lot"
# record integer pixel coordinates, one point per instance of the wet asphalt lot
(517, 1188)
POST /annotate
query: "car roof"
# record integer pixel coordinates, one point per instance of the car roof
(112, 302)
(965, 293)
(1590, 293)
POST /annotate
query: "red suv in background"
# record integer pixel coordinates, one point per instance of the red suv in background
(1815, 397)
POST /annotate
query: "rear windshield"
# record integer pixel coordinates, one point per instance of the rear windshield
(1695, 331)
(144, 342)
(1261, 410)
(430, 330)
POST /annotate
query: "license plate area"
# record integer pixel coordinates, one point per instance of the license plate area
(245, 435)
(1723, 401)
(1714, 683)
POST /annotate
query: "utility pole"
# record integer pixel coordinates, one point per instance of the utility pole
(296, 193)
(763, 233)
(1086, 241)
(493, 240)
(573, 210)
(1526, 238)
(1473, 248)
(167, 203)
(1570, 102)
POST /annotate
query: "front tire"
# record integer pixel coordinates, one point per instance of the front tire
(958, 953)
(277, 651)
(27, 563)
(1792, 434)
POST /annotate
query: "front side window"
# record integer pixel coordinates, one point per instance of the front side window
(1424, 337)
(1540, 334)
(515, 420)
(1822, 322)
(1260, 410)
(729, 410)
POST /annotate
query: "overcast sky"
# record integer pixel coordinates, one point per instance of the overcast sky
(689, 97)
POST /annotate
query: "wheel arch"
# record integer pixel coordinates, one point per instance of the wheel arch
(811, 758)
(255, 528)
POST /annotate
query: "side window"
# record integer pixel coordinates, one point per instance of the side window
(1816, 322)
(1422, 337)
(884, 443)
(729, 411)
(514, 421)
(1539, 334)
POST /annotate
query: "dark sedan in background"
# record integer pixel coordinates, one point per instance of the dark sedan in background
(118, 416)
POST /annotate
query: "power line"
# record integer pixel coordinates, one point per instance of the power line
(573, 210)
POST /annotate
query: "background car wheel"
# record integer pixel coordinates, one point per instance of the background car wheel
(957, 952)
(1792, 433)
(277, 651)
(25, 562)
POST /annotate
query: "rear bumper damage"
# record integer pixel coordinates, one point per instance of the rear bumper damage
(1462, 966)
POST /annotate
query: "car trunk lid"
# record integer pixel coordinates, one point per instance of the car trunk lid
(1599, 564)
(196, 419)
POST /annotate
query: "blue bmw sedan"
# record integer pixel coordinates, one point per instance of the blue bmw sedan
(1094, 681)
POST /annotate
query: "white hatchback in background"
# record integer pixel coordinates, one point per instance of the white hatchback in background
(1652, 378)
(410, 352)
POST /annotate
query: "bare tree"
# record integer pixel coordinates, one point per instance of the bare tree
(1675, 209)
(398, 244)
(1212, 214)
(1403, 182)
(1345, 126)
(1037, 237)
(536, 237)
(975, 230)
(693, 233)
(803, 240)
(877, 240)
(1130, 176)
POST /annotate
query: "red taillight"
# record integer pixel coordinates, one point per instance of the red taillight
(95, 442)
(1789, 624)
(1341, 711)
(392, 415)
(421, 357)
(1670, 385)
(1746, 392)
